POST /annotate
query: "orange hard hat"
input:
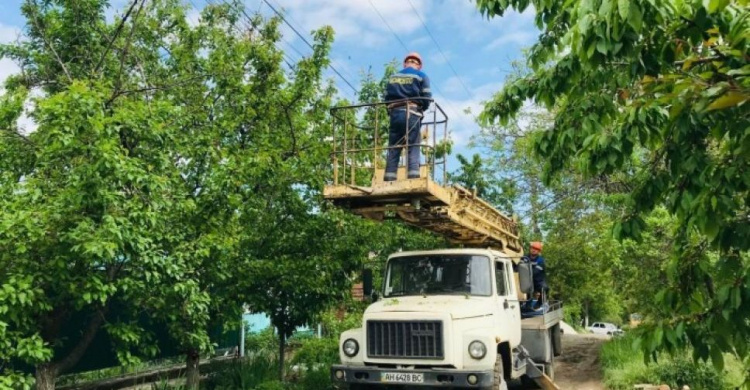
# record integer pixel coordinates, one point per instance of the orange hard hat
(536, 245)
(415, 56)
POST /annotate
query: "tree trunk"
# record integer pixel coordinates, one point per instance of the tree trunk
(192, 370)
(585, 314)
(46, 375)
(282, 344)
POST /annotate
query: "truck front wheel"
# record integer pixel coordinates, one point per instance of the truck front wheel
(499, 382)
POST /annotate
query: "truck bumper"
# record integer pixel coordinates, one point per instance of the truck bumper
(431, 377)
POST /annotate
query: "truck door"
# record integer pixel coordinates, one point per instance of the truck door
(509, 319)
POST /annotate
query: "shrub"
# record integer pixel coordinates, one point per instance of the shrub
(679, 371)
(242, 374)
(264, 342)
(317, 378)
(624, 367)
(317, 351)
(271, 385)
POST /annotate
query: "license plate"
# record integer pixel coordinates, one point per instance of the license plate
(401, 377)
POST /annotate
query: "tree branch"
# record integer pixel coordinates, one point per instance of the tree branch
(114, 36)
(127, 47)
(48, 44)
(21, 136)
(87, 337)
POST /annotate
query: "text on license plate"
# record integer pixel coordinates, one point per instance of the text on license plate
(401, 377)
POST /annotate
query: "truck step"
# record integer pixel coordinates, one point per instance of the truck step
(538, 376)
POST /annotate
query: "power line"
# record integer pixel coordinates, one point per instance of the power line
(347, 75)
(309, 45)
(440, 50)
(407, 49)
(287, 58)
(389, 26)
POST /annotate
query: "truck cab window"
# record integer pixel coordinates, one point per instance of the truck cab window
(501, 279)
(438, 275)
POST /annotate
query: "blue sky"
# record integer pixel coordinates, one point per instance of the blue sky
(459, 42)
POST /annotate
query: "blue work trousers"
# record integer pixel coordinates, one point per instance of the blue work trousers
(397, 136)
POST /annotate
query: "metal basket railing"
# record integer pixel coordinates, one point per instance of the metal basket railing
(360, 140)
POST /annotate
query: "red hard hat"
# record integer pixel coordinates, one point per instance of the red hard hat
(536, 245)
(414, 55)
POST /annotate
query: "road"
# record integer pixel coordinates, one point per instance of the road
(579, 367)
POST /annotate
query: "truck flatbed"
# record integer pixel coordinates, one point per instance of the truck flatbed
(552, 316)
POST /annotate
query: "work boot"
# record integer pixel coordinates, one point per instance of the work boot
(390, 176)
(413, 175)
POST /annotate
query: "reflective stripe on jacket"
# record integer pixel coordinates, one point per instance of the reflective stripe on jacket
(409, 83)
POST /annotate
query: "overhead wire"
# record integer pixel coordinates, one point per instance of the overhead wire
(294, 21)
(286, 57)
(283, 19)
(440, 50)
(437, 88)
(288, 60)
(388, 25)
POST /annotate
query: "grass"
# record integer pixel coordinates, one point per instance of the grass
(624, 367)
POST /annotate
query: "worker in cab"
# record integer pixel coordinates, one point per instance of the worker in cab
(538, 271)
(406, 115)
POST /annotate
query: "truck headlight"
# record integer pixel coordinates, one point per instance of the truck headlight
(350, 347)
(477, 349)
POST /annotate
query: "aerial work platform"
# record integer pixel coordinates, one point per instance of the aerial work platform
(428, 202)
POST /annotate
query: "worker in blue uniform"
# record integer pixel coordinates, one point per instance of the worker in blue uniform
(406, 116)
(539, 273)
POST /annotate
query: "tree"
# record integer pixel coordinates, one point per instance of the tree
(657, 91)
(158, 145)
(475, 176)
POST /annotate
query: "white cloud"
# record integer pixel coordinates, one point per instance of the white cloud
(519, 38)
(462, 125)
(7, 68)
(8, 34)
(436, 58)
(193, 17)
(356, 21)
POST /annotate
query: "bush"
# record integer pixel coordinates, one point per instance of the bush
(624, 367)
(317, 351)
(679, 371)
(317, 378)
(264, 342)
(271, 385)
(242, 374)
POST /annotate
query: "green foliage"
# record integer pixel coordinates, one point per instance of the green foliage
(165, 384)
(624, 367)
(158, 143)
(657, 92)
(264, 342)
(272, 385)
(474, 175)
(317, 351)
(242, 374)
(317, 378)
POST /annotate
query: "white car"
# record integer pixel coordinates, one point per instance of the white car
(605, 328)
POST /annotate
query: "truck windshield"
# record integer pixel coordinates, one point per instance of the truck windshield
(438, 275)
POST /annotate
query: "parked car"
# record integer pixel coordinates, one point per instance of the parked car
(605, 328)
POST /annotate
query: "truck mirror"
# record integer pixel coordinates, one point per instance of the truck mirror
(525, 278)
(367, 282)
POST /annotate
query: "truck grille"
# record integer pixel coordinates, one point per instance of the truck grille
(405, 339)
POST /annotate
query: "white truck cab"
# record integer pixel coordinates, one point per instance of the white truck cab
(450, 318)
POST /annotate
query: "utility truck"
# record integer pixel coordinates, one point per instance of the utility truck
(456, 318)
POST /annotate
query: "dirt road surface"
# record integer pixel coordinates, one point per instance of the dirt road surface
(579, 367)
